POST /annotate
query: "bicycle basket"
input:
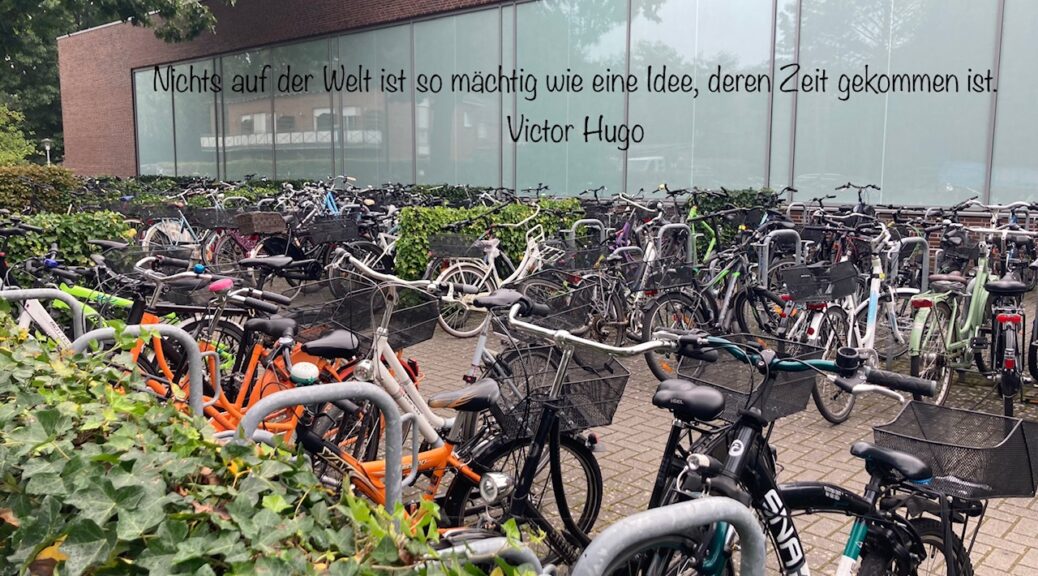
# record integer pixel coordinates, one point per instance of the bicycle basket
(577, 304)
(668, 273)
(973, 455)
(333, 229)
(122, 261)
(814, 234)
(592, 386)
(251, 223)
(449, 245)
(743, 386)
(211, 218)
(821, 282)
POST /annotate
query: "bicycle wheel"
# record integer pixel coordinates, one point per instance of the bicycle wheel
(672, 311)
(226, 339)
(344, 282)
(227, 252)
(1032, 350)
(932, 361)
(833, 404)
(458, 320)
(583, 487)
(758, 311)
(674, 554)
(878, 560)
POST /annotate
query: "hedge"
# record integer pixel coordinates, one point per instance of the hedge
(39, 188)
(70, 232)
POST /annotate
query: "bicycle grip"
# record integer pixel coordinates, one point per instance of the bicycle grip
(65, 273)
(464, 288)
(895, 381)
(275, 297)
(696, 352)
(30, 228)
(261, 305)
(175, 262)
(531, 308)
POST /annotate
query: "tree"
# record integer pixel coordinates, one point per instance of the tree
(14, 148)
(29, 54)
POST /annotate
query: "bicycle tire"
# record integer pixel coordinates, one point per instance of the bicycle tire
(456, 319)
(664, 366)
(766, 307)
(833, 404)
(934, 332)
(878, 560)
(670, 554)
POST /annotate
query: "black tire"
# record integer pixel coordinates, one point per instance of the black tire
(760, 313)
(226, 253)
(668, 311)
(877, 560)
(462, 502)
(833, 404)
(664, 556)
(933, 362)
(1032, 350)
(228, 339)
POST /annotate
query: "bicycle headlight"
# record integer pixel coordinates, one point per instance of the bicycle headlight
(494, 487)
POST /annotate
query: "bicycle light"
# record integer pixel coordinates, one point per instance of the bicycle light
(494, 487)
(363, 371)
(304, 373)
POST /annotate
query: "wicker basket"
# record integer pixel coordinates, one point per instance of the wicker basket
(251, 223)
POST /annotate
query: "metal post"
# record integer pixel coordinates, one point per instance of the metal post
(195, 363)
(78, 321)
(328, 393)
(647, 526)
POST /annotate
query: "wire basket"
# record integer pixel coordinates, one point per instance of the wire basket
(668, 274)
(333, 229)
(579, 305)
(783, 394)
(152, 212)
(973, 455)
(251, 223)
(211, 218)
(449, 245)
(816, 234)
(354, 303)
(592, 386)
(122, 261)
(821, 282)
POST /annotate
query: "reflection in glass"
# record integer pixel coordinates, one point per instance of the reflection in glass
(1015, 168)
(195, 117)
(302, 108)
(154, 110)
(376, 127)
(248, 122)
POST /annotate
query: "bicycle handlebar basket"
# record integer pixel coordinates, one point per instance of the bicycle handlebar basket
(821, 282)
(973, 455)
(251, 223)
(332, 229)
(743, 386)
(212, 218)
(667, 274)
(592, 386)
(453, 245)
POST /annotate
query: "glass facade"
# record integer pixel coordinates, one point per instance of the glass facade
(921, 148)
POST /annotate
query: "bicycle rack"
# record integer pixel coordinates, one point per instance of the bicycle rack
(78, 319)
(690, 255)
(570, 234)
(487, 549)
(195, 363)
(319, 393)
(646, 526)
(896, 260)
(764, 252)
(803, 210)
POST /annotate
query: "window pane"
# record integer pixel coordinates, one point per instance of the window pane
(936, 144)
(302, 107)
(836, 141)
(154, 126)
(248, 122)
(195, 116)
(376, 133)
(1015, 169)
(457, 132)
(587, 38)
(782, 103)
(508, 101)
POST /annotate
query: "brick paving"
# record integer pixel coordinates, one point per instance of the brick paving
(809, 448)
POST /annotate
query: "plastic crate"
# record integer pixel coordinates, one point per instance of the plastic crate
(251, 223)
(784, 394)
(592, 385)
(821, 282)
(973, 455)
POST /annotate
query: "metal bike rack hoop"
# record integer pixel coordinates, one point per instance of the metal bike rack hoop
(329, 393)
(195, 363)
(920, 240)
(764, 254)
(666, 228)
(676, 519)
(571, 232)
(78, 319)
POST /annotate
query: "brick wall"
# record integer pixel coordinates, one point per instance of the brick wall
(96, 87)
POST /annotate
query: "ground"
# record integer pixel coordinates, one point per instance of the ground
(809, 448)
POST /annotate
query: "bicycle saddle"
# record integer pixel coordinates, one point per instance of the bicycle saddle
(502, 298)
(688, 401)
(109, 244)
(270, 262)
(909, 466)
(338, 344)
(1006, 288)
(273, 327)
(953, 277)
(476, 397)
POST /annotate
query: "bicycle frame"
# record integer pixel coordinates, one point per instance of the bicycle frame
(960, 331)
